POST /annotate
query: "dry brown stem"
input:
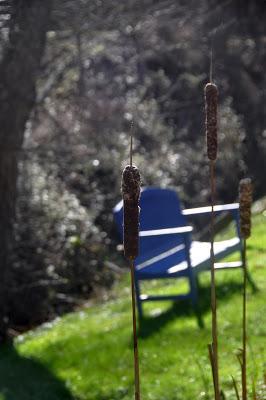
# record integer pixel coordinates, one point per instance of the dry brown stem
(214, 346)
(131, 195)
(245, 201)
(244, 328)
(135, 337)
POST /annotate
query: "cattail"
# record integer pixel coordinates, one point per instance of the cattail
(211, 99)
(245, 201)
(131, 194)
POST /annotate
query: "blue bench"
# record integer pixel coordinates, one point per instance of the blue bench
(166, 249)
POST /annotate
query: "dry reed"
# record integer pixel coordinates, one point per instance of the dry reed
(131, 195)
(211, 101)
(245, 201)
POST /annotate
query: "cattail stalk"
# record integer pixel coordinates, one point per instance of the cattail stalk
(214, 346)
(244, 325)
(135, 337)
(211, 100)
(245, 201)
(131, 194)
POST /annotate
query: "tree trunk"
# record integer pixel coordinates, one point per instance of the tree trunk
(18, 73)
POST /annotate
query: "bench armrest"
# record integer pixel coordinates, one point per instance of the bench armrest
(208, 209)
(166, 231)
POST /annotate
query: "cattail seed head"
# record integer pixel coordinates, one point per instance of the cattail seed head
(245, 201)
(211, 100)
(131, 195)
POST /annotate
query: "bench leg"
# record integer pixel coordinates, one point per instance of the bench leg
(249, 277)
(139, 305)
(193, 281)
(253, 285)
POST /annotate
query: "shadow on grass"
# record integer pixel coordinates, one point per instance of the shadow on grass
(24, 378)
(183, 308)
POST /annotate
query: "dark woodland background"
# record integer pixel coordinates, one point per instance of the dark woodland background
(73, 74)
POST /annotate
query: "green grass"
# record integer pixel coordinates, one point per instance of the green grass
(88, 354)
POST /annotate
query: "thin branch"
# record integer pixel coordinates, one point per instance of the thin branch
(131, 143)
(211, 62)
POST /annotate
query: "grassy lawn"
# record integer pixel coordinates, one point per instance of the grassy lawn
(88, 354)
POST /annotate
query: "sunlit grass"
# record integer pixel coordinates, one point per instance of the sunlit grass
(88, 354)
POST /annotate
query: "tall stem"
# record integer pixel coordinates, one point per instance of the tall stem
(135, 338)
(213, 290)
(244, 327)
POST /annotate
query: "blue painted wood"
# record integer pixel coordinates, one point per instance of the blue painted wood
(164, 297)
(168, 252)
